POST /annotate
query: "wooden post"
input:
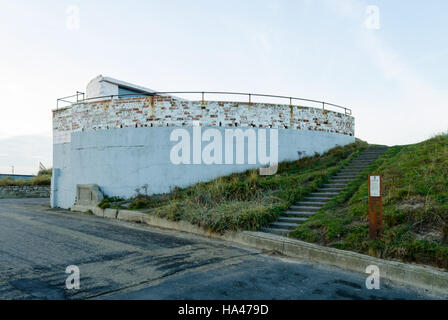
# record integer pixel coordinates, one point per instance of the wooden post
(375, 206)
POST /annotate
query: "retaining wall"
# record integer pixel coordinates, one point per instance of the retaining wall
(24, 192)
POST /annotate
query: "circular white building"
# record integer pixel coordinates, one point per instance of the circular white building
(123, 136)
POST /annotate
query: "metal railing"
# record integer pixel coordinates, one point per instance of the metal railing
(64, 99)
(324, 104)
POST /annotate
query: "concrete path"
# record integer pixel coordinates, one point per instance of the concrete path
(128, 261)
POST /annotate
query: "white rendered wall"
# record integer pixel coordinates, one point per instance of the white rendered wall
(99, 88)
(121, 160)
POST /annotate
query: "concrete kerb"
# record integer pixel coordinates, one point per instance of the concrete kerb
(418, 276)
(110, 213)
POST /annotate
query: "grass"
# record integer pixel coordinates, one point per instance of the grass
(246, 200)
(43, 178)
(415, 179)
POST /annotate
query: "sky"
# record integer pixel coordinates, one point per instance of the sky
(386, 60)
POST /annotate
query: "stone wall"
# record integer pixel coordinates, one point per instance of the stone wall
(166, 111)
(24, 192)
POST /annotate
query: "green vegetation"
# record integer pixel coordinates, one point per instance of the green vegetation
(45, 172)
(245, 200)
(415, 179)
(111, 202)
(43, 178)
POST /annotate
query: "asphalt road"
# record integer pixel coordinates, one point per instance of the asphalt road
(119, 260)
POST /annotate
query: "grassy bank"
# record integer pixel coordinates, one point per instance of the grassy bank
(415, 179)
(43, 178)
(246, 200)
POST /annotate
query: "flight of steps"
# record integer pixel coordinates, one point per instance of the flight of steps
(304, 209)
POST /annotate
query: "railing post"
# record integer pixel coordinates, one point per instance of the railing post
(203, 101)
(249, 99)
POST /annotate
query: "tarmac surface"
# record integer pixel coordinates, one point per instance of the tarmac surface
(119, 260)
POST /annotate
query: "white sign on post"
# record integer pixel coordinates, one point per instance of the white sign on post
(375, 189)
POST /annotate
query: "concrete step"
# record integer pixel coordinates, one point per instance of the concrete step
(372, 151)
(337, 185)
(346, 175)
(360, 163)
(364, 164)
(311, 203)
(299, 214)
(334, 185)
(329, 189)
(350, 171)
(367, 156)
(278, 231)
(304, 208)
(348, 178)
(298, 209)
(350, 167)
(318, 199)
(325, 194)
(296, 220)
(284, 225)
(364, 159)
(371, 157)
(341, 180)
